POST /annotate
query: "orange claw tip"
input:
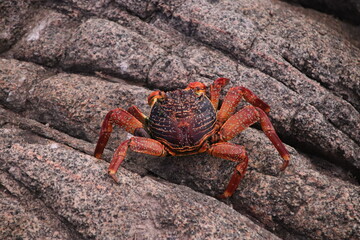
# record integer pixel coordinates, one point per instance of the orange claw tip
(97, 155)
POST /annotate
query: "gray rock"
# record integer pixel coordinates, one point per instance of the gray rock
(107, 54)
(12, 21)
(17, 80)
(77, 104)
(309, 199)
(46, 40)
(23, 216)
(58, 102)
(348, 9)
(102, 45)
(81, 6)
(76, 187)
(141, 8)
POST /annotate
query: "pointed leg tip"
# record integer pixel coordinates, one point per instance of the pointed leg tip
(113, 176)
(225, 195)
(285, 163)
(221, 196)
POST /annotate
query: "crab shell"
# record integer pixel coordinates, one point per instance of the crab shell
(182, 120)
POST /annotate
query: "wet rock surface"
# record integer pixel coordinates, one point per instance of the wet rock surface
(63, 66)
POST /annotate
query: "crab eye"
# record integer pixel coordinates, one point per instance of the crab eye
(199, 92)
(198, 87)
(155, 96)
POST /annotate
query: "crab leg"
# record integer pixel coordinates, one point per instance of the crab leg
(232, 99)
(136, 144)
(122, 118)
(248, 116)
(234, 153)
(215, 89)
(135, 111)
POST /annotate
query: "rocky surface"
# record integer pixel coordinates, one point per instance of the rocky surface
(348, 10)
(63, 66)
(79, 195)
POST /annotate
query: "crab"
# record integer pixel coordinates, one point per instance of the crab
(186, 121)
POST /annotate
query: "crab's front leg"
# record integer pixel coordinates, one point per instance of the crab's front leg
(123, 119)
(235, 153)
(136, 144)
(232, 99)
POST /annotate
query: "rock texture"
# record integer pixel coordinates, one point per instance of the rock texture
(64, 65)
(348, 10)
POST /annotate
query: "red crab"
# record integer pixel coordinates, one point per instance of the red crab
(186, 121)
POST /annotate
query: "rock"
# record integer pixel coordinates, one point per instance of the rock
(24, 216)
(348, 10)
(77, 104)
(76, 188)
(170, 68)
(309, 199)
(141, 8)
(102, 45)
(81, 6)
(46, 40)
(17, 80)
(97, 56)
(11, 23)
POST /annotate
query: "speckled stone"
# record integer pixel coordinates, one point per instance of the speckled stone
(46, 38)
(75, 187)
(95, 56)
(348, 10)
(17, 79)
(12, 21)
(311, 198)
(102, 45)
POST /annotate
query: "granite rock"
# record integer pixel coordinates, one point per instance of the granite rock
(65, 64)
(12, 21)
(348, 10)
(75, 187)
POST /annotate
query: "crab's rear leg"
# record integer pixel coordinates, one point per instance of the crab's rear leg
(235, 153)
(248, 116)
(232, 99)
(122, 118)
(136, 144)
